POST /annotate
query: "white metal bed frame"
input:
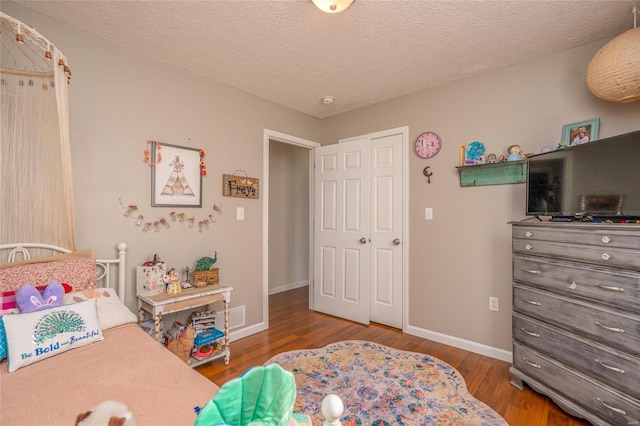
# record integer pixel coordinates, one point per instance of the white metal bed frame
(21, 251)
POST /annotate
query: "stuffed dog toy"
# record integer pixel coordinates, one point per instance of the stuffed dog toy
(107, 413)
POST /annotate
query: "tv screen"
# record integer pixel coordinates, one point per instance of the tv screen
(598, 179)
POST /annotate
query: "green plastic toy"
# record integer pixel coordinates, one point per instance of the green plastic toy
(263, 396)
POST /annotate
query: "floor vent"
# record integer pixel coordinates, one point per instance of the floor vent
(236, 318)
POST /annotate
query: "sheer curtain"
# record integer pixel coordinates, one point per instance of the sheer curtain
(35, 157)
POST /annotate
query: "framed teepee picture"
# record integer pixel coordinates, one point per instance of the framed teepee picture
(176, 180)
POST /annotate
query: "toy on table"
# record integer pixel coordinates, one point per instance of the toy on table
(173, 282)
(156, 260)
(181, 347)
(205, 263)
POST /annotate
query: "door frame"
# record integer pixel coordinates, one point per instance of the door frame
(268, 136)
(404, 130)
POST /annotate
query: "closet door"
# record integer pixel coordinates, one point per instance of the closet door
(342, 230)
(386, 230)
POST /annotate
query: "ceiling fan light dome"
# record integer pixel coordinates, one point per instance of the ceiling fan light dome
(332, 6)
(614, 71)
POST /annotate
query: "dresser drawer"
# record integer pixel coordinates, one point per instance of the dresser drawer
(588, 234)
(612, 286)
(617, 369)
(599, 255)
(603, 401)
(602, 325)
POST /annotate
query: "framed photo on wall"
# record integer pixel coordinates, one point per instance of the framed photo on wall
(176, 181)
(580, 132)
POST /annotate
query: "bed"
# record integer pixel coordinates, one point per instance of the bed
(126, 365)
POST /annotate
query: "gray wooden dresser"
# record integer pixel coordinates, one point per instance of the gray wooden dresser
(576, 317)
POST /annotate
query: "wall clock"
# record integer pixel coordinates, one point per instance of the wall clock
(428, 144)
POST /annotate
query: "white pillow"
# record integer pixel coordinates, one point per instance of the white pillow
(34, 336)
(111, 311)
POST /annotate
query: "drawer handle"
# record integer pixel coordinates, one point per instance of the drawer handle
(605, 256)
(609, 288)
(614, 409)
(532, 271)
(616, 369)
(606, 240)
(528, 247)
(615, 330)
(531, 302)
(528, 234)
(534, 365)
(530, 333)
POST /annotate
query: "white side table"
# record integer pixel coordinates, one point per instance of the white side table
(162, 304)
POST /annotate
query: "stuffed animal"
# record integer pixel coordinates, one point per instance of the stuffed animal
(181, 347)
(29, 299)
(107, 413)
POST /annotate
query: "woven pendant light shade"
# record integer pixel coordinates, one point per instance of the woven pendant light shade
(614, 72)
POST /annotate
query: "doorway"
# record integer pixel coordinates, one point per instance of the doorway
(269, 137)
(274, 136)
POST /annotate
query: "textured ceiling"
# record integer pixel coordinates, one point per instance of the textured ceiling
(291, 53)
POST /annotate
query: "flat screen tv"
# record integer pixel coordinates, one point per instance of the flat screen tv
(595, 180)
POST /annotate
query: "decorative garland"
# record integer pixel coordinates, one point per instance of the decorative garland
(203, 165)
(147, 153)
(132, 211)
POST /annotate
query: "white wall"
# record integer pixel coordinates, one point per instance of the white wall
(288, 216)
(120, 98)
(463, 255)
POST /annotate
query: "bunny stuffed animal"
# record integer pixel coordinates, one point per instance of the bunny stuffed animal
(29, 299)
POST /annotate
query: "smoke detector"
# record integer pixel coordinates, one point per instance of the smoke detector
(328, 100)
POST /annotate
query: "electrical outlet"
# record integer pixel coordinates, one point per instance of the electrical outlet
(494, 304)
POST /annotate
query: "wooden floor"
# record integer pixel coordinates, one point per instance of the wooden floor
(293, 326)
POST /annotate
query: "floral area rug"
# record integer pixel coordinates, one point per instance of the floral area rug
(383, 386)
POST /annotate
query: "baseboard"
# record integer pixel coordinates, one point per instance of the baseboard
(247, 331)
(456, 342)
(286, 287)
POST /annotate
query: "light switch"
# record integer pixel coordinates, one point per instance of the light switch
(428, 213)
(240, 213)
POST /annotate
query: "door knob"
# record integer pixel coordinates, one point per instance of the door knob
(363, 240)
(396, 242)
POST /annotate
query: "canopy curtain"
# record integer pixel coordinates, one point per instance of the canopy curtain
(35, 155)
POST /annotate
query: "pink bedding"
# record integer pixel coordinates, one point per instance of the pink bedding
(127, 366)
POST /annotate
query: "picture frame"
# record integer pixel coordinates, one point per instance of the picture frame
(571, 133)
(176, 181)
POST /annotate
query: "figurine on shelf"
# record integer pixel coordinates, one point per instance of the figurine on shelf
(206, 263)
(514, 152)
(156, 260)
(186, 283)
(173, 282)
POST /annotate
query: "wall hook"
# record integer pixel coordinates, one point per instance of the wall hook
(427, 173)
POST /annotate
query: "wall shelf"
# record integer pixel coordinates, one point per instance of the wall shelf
(493, 173)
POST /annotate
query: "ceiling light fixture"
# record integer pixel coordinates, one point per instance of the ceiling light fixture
(614, 72)
(332, 6)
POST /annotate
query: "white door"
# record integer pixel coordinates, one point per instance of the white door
(383, 271)
(342, 230)
(386, 230)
